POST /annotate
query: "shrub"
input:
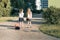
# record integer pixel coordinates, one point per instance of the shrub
(5, 8)
(51, 15)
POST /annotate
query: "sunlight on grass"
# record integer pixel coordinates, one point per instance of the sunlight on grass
(4, 19)
(53, 30)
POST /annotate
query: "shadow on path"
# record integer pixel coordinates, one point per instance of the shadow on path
(7, 26)
(12, 20)
(27, 30)
(34, 22)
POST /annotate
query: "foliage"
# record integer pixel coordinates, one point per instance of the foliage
(17, 3)
(52, 30)
(5, 8)
(51, 15)
(7, 19)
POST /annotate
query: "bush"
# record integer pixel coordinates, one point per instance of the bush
(0, 14)
(5, 8)
(51, 15)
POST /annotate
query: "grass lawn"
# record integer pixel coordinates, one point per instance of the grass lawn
(53, 30)
(4, 19)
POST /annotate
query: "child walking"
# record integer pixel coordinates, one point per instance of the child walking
(29, 17)
(21, 15)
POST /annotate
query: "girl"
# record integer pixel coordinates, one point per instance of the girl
(21, 15)
(29, 17)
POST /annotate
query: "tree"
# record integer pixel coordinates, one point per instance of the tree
(5, 8)
(16, 4)
(51, 15)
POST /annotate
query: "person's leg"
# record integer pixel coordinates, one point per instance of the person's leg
(30, 23)
(22, 24)
(19, 24)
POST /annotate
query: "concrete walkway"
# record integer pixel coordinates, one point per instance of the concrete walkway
(7, 32)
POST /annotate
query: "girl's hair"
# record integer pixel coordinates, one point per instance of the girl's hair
(28, 11)
(20, 10)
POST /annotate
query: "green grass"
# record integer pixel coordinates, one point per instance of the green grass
(5, 19)
(52, 30)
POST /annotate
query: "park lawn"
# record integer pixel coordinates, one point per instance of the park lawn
(5, 19)
(52, 30)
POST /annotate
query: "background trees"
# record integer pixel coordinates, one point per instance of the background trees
(16, 5)
(5, 8)
(10, 7)
(51, 15)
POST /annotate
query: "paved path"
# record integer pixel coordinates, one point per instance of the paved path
(7, 32)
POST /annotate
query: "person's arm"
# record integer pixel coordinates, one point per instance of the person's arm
(23, 15)
(19, 15)
(31, 14)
